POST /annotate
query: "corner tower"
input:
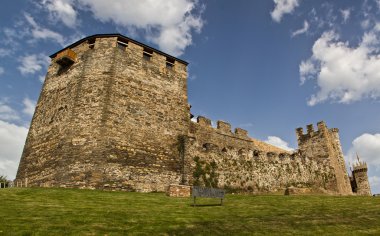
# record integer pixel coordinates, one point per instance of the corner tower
(360, 184)
(108, 116)
(324, 144)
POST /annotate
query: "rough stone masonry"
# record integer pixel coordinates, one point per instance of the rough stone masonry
(113, 114)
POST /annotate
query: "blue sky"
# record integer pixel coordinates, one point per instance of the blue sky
(268, 66)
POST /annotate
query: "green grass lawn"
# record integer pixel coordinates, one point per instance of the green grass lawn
(38, 211)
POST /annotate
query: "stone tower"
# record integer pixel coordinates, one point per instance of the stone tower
(108, 116)
(359, 179)
(324, 144)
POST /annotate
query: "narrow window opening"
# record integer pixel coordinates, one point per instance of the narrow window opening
(147, 54)
(91, 43)
(169, 63)
(256, 153)
(122, 43)
(65, 59)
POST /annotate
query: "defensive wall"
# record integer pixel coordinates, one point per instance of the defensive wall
(113, 113)
(255, 166)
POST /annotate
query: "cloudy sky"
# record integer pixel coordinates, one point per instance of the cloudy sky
(268, 66)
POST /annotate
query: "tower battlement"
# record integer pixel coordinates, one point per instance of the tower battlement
(321, 127)
(360, 166)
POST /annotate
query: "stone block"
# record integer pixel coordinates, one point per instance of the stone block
(175, 190)
(297, 191)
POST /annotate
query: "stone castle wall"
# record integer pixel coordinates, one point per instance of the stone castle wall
(112, 120)
(251, 165)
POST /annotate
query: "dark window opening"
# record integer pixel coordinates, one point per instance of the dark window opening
(65, 59)
(91, 43)
(169, 63)
(147, 54)
(122, 43)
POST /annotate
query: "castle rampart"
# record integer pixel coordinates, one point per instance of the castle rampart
(245, 163)
(113, 114)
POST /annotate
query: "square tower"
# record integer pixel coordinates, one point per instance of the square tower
(108, 116)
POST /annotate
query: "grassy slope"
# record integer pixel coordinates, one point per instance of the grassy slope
(86, 212)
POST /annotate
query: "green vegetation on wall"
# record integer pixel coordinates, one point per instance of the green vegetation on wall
(205, 173)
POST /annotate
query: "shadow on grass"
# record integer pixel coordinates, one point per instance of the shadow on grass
(205, 205)
(209, 228)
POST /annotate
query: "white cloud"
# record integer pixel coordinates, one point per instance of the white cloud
(12, 139)
(5, 52)
(303, 30)
(345, 14)
(33, 63)
(343, 73)
(169, 24)
(39, 32)
(278, 142)
(29, 106)
(367, 146)
(283, 7)
(1, 70)
(7, 113)
(365, 24)
(306, 69)
(62, 10)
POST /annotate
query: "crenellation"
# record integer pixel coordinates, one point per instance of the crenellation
(241, 132)
(334, 130)
(299, 133)
(321, 126)
(118, 118)
(310, 129)
(224, 127)
(203, 121)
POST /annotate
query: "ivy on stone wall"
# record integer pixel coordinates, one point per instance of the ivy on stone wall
(181, 146)
(205, 173)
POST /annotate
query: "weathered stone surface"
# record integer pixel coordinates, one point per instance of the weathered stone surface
(359, 179)
(297, 191)
(175, 190)
(254, 166)
(112, 120)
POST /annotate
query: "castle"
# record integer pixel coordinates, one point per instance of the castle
(113, 114)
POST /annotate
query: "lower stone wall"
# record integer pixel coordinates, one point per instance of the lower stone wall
(175, 190)
(242, 165)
